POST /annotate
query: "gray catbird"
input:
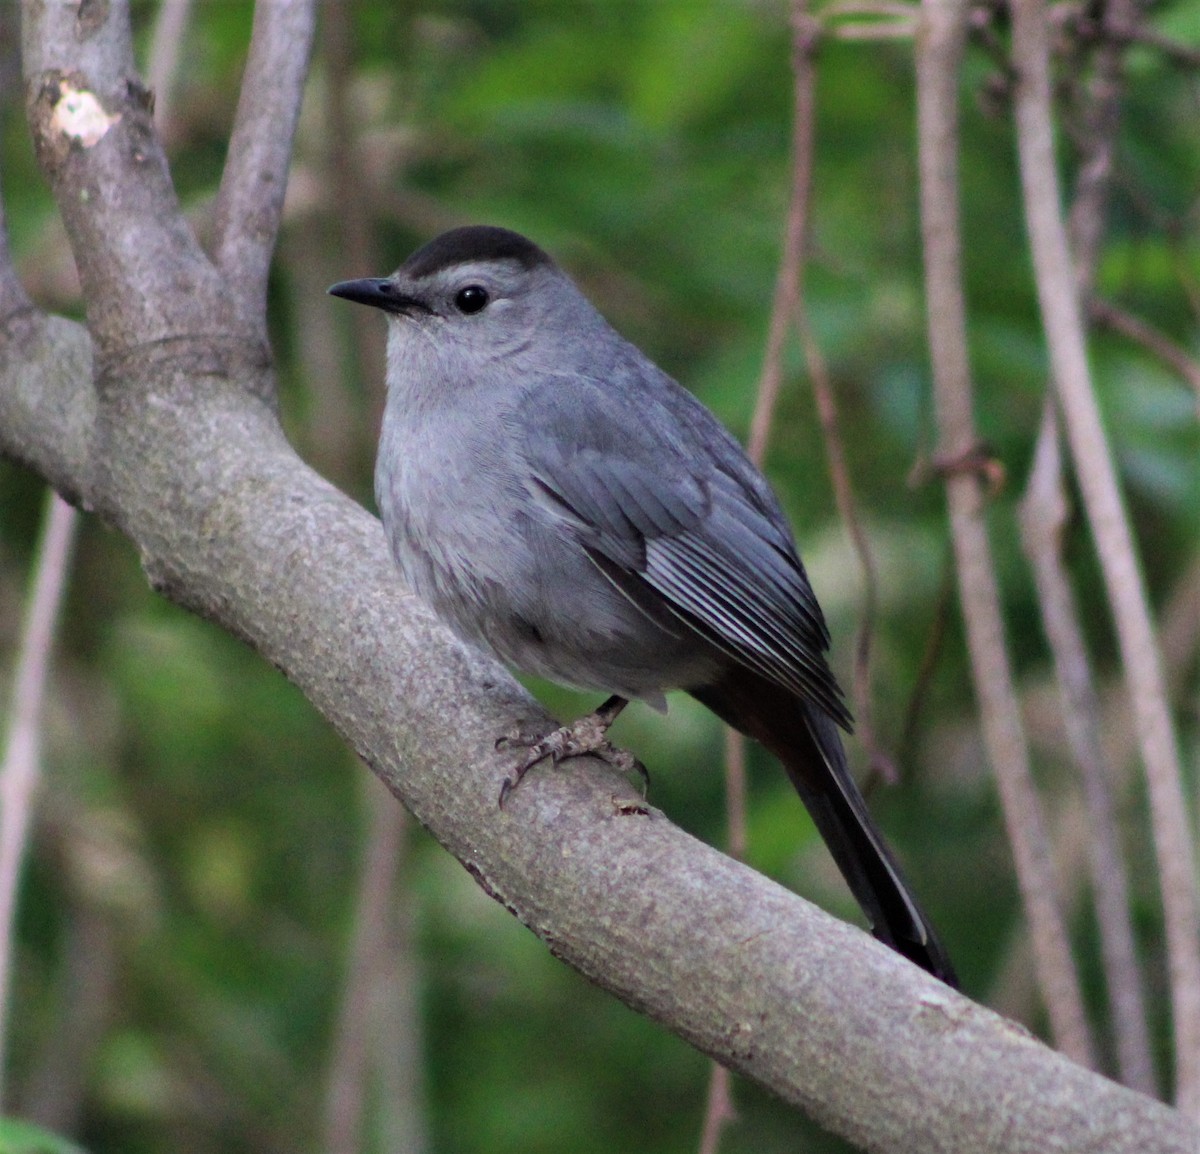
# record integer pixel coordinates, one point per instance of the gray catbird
(561, 501)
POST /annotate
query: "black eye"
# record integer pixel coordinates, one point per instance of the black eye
(471, 299)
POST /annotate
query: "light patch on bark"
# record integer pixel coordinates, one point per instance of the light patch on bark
(80, 116)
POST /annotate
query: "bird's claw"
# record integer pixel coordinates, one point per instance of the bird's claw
(587, 735)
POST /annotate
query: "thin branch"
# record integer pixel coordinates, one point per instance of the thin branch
(250, 200)
(1063, 323)
(935, 641)
(368, 963)
(1127, 27)
(789, 305)
(163, 68)
(886, 9)
(870, 19)
(881, 30)
(719, 1108)
(940, 46)
(1153, 340)
(791, 269)
(719, 1111)
(400, 1120)
(1043, 517)
(20, 770)
(843, 491)
(344, 164)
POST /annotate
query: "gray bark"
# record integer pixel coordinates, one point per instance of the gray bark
(160, 418)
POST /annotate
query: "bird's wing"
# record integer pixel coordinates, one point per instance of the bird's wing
(665, 511)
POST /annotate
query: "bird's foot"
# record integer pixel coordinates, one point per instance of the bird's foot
(587, 735)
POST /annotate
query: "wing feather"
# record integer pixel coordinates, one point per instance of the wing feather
(702, 535)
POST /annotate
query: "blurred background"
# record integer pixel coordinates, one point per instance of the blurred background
(229, 938)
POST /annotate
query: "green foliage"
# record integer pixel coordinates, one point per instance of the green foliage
(191, 892)
(18, 1137)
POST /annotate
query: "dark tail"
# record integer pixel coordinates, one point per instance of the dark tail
(808, 744)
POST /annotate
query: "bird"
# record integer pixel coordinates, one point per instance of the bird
(564, 504)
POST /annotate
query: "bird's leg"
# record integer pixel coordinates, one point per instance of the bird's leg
(587, 735)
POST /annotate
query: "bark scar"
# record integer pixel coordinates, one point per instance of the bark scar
(79, 116)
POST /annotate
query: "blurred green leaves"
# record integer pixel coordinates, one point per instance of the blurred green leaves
(203, 832)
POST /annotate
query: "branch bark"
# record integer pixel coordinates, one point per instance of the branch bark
(1063, 323)
(250, 200)
(1043, 517)
(939, 49)
(174, 437)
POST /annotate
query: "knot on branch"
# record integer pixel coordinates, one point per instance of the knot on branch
(978, 460)
(68, 115)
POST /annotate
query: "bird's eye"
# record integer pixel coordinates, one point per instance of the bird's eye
(471, 299)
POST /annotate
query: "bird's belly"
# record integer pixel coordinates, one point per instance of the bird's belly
(543, 608)
(594, 648)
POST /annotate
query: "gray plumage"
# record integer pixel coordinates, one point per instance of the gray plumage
(561, 501)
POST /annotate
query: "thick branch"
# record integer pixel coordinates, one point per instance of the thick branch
(807, 1006)
(191, 463)
(91, 122)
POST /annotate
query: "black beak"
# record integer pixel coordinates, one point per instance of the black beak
(380, 293)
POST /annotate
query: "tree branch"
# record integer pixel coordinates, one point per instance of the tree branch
(1043, 516)
(1153, 340)
(1063, 323)
(20, 770)
(939, 51)
(185, 455)
(250, 200)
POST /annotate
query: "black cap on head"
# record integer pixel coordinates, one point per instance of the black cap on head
(475, 242)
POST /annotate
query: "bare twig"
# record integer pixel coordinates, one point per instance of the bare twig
(788, 306)
(1126, 26)
(843, 491)
(165, 45)
(884, 9)
(400, 1120)
(1043, 517)
(943, 608)
(250, 200)
(719, 1111)
(870, 19)
(878, 30)
(1062, 319)
(369, 963)
(20, 771)
(1153, 340)
(805, 33)
(341, 156)
(938, 58)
